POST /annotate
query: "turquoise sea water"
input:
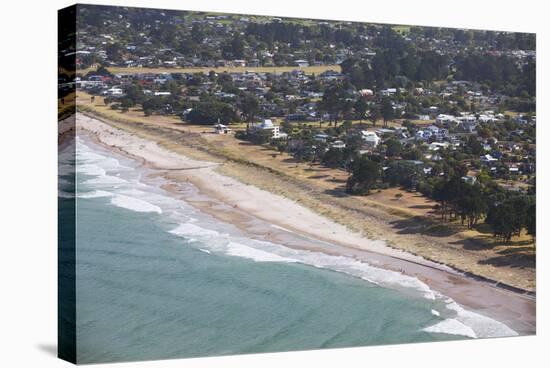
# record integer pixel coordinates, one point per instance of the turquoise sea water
(158, 279)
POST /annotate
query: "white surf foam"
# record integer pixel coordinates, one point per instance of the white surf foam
(241, 250)
(189, 229)
(90, 169)
(107, 180)
(483, 326)
(453, 327)
(134, 204)
(85, 153)
(95, 194)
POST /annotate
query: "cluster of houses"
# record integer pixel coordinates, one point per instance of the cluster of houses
(294, 96)
(467, 122)
(142, 50)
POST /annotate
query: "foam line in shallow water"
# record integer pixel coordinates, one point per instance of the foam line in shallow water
(134, 204)
(453, 327)
(258, 255)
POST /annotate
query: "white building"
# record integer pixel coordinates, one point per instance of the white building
(267, 124)
(321, 137)
(366, 92)
(338, 144)
(222, 129)
(436, 146)
(388, 91)
(370, 138)
(487, 159)
(446, 119)
(114, 92)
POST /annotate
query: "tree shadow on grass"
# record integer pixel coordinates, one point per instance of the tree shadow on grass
(517, 254)
(290, 160)
(515, 260)
(313, 169)
(423, 226)
(318, 176)
(422, 206)
(339, 192)
(246, 143)
(338, 181)
(477, 244)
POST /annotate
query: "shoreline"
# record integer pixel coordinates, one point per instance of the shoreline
(473, 254)
(271, 217)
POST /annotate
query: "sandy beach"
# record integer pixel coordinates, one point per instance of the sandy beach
(270, 216)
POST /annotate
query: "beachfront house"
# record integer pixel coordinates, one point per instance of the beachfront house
(267, 124)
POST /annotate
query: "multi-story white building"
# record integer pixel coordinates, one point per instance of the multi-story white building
(267, 124)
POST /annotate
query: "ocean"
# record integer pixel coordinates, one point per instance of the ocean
(158, 279)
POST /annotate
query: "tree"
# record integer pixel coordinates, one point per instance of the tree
(210, 112)
(333, 101)
(364, 173)
(151, 105)
(114, 52)
(393, 147)
(334, 157)
(346, 125)
(197, 34)
(471, 204)
(319, 151)
(375, 114)
(360, 108)
(250, 108)
(449, 193)
(404, 173)
(531, 219)
(509, 217)
(502, 220)
(260, 136)
(235, 47)
(474, 146)
(134, 94)
(387, 111)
